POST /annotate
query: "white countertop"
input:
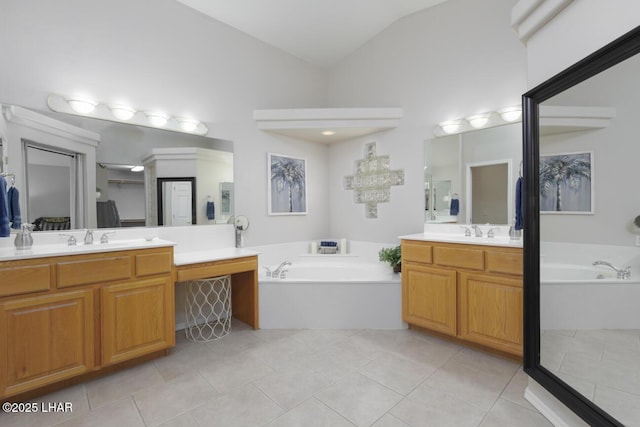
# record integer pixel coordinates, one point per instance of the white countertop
(208, 255)
(466, 240)
(59, 249)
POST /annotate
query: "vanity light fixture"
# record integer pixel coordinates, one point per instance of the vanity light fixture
(479, 120)
(489, 119)
(450, 126)
(157, 119)
(328, 132)
(82, 106)
(511, 114)
(122, 112)
(188, 125)
(118, 112)
(137, 168)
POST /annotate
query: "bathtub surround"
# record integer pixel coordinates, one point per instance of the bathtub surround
(320, 291)
(372, 180)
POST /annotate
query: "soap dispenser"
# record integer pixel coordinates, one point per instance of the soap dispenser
(24, 240)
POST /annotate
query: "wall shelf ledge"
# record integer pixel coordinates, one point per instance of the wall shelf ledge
(310, 123)
(556, 119)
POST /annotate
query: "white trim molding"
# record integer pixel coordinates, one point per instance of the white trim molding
(529, 16)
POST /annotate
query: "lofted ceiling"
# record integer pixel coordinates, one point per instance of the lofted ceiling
(319, 31)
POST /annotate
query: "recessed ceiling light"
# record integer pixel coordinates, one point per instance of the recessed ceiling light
(137, 168)
(328, 132)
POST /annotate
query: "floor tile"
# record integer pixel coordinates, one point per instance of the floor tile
(229, 374)
(75, 395)
(514, 392)
(244, 408)
(123, 383)
(397, 373)
(310, 413)
(388, 420)
(431, 407)
(182, 420)
(290, 388)
(160, 403)
(121, 412)
(508, 414)
(359, 399)
(625, 407)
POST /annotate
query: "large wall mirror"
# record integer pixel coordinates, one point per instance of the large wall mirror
(476, 171)
(124, 197)
(582, 263)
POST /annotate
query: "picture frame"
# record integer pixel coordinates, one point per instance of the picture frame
(286, 185)
(567, 183)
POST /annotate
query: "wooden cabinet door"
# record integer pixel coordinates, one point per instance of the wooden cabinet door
(137, 318)
(429, 297)
(491, 311)
(45, 339)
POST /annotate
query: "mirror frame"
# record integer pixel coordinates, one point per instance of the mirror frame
(615, 52)
(161, 181)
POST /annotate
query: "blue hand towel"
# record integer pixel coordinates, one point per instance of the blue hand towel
(13, 197)
(455, 207)
(211, 210)
(519, 225)
(4, 209)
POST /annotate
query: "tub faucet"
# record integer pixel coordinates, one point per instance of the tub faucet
(277, 271)
(621, 273)
(477, 229)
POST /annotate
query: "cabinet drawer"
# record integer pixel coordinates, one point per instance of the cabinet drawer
(453, 256)
(504, 262)
(93, 270)
(416, 252)
(153, 263)
(23, 279)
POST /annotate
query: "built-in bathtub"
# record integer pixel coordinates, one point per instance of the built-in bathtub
(575, 294)
(352, 291)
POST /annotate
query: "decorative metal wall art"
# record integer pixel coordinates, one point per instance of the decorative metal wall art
(372, 180)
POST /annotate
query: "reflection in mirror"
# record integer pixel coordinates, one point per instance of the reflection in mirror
(455, 159)
(589, 313)
(488, 192)
(129, 196)
(176, 201)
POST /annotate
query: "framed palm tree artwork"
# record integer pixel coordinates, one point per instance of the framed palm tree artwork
(566, 183)
(287, 188)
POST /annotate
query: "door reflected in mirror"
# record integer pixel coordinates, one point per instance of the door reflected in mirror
(176, 201)
(488, 193)
(453, 159)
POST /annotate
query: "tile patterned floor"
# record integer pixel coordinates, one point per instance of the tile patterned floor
(282, 378)
(602, 364)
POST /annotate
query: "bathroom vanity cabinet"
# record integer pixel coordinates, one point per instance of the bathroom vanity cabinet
(64, 316)
(470, 292)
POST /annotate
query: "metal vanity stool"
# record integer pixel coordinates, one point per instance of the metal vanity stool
(208, 308)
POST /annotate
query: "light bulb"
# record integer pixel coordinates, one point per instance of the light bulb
(188, 125)
(510, 114)
(157, 119)
(450, 126)
(82, 106)
(137, 168)
(328, 132)
(478, 120)
(122, 112)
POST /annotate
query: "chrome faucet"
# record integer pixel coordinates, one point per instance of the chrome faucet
(491, 232)
(477, 229)
(467, 232)
(88, 238)
(621, 273)
(105, 236)
(277, 271)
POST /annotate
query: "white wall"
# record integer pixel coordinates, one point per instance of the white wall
(451, 61)
(161, 54)
(580, 29)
